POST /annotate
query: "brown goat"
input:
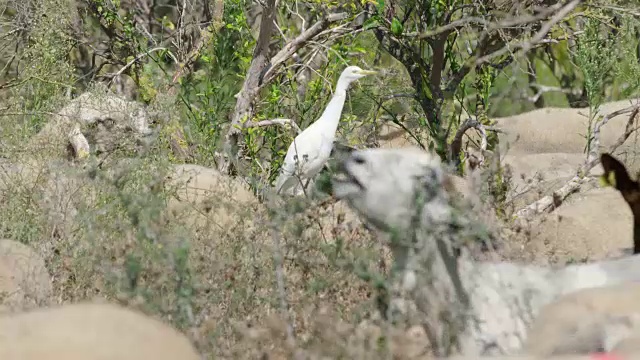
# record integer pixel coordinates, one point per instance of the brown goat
(616, 175)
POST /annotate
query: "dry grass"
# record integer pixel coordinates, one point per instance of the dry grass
(203, 263)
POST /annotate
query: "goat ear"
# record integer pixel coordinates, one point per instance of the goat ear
(615, 174)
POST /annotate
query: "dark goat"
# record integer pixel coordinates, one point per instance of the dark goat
(630, 190)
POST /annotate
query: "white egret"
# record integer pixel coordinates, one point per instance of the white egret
(311, 149)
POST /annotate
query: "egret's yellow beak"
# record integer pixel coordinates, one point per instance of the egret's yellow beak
(367, 72)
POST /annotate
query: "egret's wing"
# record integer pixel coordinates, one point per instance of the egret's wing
(302, 151)
(300, 160)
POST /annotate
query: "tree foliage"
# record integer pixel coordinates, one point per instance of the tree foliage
(442, 59)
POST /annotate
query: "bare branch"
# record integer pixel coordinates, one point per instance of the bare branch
(489, 26)
(536, 39)
(543, 89)
(280, 121)
(595, 141)
(140, 56)
(177, 137)
(205, 37)
(486, 45)
(546, 27)
(294, 45)
(456, 144)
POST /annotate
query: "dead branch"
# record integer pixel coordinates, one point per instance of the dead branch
(489, 26)
(456, 144)
(280, 121)
(543, 89)
(595, 135)
(294, 45)
(549, 203)
(205, 38)
(137, 58)
(527, 45)
(546, 27)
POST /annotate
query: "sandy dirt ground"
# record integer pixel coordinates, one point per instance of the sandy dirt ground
(545, 147)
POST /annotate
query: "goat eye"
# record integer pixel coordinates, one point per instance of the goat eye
(358, 159)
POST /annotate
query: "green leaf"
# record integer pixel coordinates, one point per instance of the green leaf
(396, 27)
(371, 23)
(380, 6)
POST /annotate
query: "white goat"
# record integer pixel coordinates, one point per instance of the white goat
(465, 306)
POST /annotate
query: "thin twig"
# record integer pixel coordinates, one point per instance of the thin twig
(525, 46)
(292, 46)
(140, 56)
(546, 27)
(489, 26)
(280, 121)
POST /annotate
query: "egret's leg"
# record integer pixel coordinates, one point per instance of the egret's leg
(304, 188)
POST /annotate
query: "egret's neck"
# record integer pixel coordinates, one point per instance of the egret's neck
(342, 86)
(333, 112)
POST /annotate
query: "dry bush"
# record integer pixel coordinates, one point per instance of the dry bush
(332, 337)
(185, 244)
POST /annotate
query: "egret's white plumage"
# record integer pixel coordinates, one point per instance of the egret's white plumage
(311, 149)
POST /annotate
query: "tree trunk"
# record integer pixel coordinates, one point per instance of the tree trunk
(244, 109)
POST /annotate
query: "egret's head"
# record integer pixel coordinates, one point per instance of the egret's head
(386, 185)
(353, 73)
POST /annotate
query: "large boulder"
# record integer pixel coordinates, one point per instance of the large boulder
(24, 279)
(90, 331)
(96, 120)
(557, 130)
(593, 225)
(202, 195)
